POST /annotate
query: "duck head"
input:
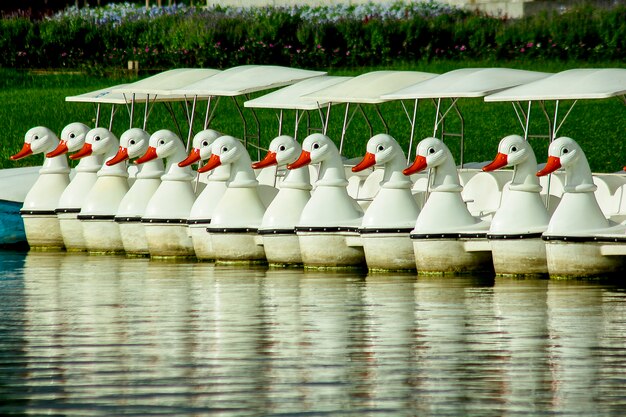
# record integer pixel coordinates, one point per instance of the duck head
(201, 147)
(283, 150)
(72, 139)
(133, 142)
(225, 150)
(98, 141)
(565, 152)
(434, 154)
(37, 140)
(316, 148)
(514, 151)
(163, 144)
(382, 149)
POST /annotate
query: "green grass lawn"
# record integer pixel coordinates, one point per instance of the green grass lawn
(29, 99)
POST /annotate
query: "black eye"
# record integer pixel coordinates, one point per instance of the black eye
(224, 149)
(72, 136)
(513, 149)
(281, 148)
(565, 150)
(132, 142)
(96, 138)
(381, 148)
(35, 137)
(431, 150)
(316, 146)
(205, 143)
(161, 142)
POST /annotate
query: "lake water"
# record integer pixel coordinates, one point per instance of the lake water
(88, 335)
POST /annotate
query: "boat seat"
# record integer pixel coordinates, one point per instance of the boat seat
(465, 174)
(420, 182)
(483, 191)
(371, 185)
(611, 194)
(267, 193)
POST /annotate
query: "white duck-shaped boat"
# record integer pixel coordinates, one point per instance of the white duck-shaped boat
(41, 223)
(328, 227)
(278, 226)
(202, 209)
(165, 217)
(517, 225)
(392, 214)
(85, 176)
(445, 233)
(134, 143)
(580, 240)
(239, 212)
(97, 214)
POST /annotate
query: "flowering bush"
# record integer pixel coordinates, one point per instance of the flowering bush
(322, 37)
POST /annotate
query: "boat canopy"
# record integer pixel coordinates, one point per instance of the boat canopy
(295, 96)
(164, 82)
(575, 84)
(246, 79)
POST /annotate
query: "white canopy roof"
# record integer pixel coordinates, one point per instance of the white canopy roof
(569, 85)
(165, 82)
(370, 88)
(466, 83)
(109, 96)
(294, 97)
(246, 79)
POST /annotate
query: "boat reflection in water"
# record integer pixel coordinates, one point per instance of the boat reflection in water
(113, 336)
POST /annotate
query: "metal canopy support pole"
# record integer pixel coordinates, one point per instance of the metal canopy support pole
(412, 121)
(344, 127)
(462, 134)
(113, 111)
(382, 119)
(146, 112)
(190, 118)
(367, 120)
(527, 127)
(132, 111)
(206, 116)
(542, 105)
(565, 117)
(98, 108)
(280, 122)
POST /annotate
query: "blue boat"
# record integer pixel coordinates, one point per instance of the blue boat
(14, 185)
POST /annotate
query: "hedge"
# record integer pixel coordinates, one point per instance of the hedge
(311, 37)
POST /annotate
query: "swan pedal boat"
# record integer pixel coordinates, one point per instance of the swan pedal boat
(580, 240)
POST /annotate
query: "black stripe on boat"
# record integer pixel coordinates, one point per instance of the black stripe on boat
(514, 236)
(164, 221)
(96, 217)
(199, 221)
(67, 210)
(277, 231)
(127, 219)
(38, 212)
(367, 231)
(448, 235)
(231, 230)
(583, 239)
(327, 229)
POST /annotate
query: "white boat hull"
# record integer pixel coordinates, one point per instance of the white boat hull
(282, 249)
(388, 251)
(43, 232)
(102, 236)
(449, 256)
(72, 232)
(519, 257)
(134, 240)
(202, 242)
(330, 250)
(239, 247)
(567, 259)
(168, 240)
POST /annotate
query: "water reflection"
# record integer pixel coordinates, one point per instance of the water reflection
(105, 335)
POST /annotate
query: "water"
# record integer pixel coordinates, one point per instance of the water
(88, 335)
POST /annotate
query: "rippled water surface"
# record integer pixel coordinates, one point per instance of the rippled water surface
(108, 336)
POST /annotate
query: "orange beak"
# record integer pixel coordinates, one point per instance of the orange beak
(148, 156)
(121, 155)
(304, 159)
(552, 165)
(26, 150)
(499, 161)
(214, 162)
(59, 150)
(368, 160)
(269, 160)
(194, 156)
(83, 152)
(418, 165)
